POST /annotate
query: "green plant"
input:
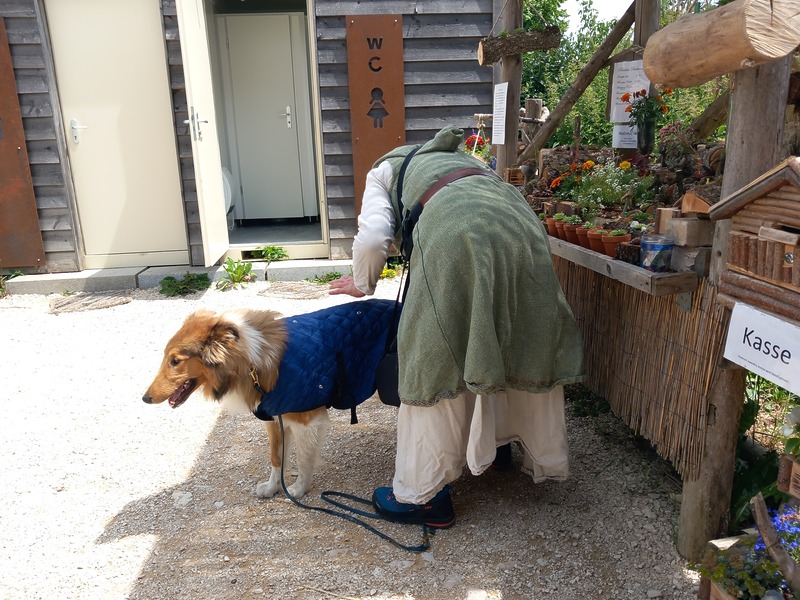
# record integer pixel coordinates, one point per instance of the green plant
(611, 185)
(567, 184)
(559, 216)
(388, 273)
(6, 277)
(270, 253)
(327, 278)
(188, 284)
(743, 570)
(237, 273)
(573, 220)
(643, 107)
(676, 143)
(617, 232)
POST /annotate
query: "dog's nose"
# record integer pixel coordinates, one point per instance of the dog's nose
(147, 399)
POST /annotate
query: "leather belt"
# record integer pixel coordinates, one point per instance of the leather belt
(451, 177)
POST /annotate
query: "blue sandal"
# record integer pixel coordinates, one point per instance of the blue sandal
(437, 512)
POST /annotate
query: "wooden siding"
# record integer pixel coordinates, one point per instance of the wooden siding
(44, 135)
(444, 85)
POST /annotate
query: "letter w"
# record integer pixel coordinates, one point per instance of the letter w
(374, 43)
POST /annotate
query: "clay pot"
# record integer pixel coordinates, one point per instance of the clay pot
(570, 234)
(560, 230)
(610, 243)
(550, 223)
(596, 240)
(583, 236)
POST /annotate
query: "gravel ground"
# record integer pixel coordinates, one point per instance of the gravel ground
(104, 496)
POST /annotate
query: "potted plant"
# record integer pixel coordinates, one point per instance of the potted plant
(596, 239)
(559, 224)
(643, 111)
(550, 223)
(572, 223)
(613, 239)
(583, 234)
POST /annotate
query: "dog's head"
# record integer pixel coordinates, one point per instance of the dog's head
(214, 352)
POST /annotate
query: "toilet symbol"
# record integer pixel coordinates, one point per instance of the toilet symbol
(378, 111)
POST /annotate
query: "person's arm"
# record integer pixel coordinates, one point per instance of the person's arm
(376, 227)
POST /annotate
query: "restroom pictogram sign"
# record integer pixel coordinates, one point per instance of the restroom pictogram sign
(377, 100)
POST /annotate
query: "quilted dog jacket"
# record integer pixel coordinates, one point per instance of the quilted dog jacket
(330, 359)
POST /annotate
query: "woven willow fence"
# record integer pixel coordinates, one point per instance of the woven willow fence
(651, 359)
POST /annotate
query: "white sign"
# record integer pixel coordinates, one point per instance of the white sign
(624, 136)
(628, 77)
(499, 114)
(766, 345)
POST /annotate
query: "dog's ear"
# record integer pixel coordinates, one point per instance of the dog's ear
(221, 337)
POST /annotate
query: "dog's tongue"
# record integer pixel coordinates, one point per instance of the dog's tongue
(180, 395)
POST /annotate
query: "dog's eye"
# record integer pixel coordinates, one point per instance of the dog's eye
(174, 362)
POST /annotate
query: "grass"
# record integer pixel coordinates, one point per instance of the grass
(188, 284)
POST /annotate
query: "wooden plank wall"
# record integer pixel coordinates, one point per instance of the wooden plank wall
(44, 134)
(444, 85)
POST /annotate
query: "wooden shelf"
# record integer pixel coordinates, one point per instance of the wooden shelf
(655, 284)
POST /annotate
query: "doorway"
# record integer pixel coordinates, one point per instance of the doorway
(266, 128)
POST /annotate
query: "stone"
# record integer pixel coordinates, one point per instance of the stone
(690, 231)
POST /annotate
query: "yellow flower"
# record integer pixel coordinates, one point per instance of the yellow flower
(588, 165)
(624, 165)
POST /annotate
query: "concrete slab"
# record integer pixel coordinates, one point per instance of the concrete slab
(299, 270)
(91, 280)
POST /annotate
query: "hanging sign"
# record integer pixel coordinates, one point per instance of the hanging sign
(499, 114)
(377, 95)
(628, 76)
(766, 345)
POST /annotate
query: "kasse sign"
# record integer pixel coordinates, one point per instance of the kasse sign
(766, 345)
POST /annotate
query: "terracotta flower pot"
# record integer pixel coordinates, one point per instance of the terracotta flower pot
(560, 230)
(550, 223)
(610, 243)
(583, 236)
(570, 234)
(596, 240)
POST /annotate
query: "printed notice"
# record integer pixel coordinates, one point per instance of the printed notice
(624, 136)
(499, 114)
(766, 345)
(628, 77)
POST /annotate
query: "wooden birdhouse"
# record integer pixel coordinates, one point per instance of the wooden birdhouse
(763, 267)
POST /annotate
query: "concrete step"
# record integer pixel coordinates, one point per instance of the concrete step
(105, 280)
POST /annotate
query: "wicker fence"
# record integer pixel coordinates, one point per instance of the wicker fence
(651, 358)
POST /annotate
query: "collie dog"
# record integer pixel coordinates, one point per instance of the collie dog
(222, 355)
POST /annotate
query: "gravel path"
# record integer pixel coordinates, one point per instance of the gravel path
(106, 497)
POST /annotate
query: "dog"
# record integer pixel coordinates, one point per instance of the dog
(296, 367)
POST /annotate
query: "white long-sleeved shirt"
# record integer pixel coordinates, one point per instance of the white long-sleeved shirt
(376, 227)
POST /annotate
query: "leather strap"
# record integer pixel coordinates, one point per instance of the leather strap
(451, 177)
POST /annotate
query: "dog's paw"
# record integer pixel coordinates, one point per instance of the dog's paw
(266, 489)
(298, 490)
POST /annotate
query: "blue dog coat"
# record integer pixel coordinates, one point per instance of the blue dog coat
(330, 359)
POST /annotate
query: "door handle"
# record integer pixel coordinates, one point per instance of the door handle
(75, 126)
(194, 121)
(288, 115)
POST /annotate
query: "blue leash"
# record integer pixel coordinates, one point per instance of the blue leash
(427, 532)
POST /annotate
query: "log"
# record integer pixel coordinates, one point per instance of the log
(712, 117)
(492, 48)
(788, 568)
(582, 81)
(745, 33)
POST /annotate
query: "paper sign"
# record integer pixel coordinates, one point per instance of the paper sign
(624, 137)
(628, 77)
(766, 345)
(499, 114)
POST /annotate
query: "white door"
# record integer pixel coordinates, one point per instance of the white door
(112, 79)
(267, 71)
(205, 144)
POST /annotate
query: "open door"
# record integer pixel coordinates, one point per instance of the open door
(202, 117)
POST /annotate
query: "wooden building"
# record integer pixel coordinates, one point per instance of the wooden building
(170, 132)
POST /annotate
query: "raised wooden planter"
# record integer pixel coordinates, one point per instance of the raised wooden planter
(789, 476)
(655, 284)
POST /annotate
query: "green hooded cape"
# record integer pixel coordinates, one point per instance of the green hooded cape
(484, 309)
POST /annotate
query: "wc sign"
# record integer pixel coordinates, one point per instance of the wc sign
(766, 345)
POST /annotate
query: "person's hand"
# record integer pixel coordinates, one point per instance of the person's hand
(345, 285)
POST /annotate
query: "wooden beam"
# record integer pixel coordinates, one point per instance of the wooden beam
(712, 117)
(492, 48)
(509, 69)
(699, 47)
(585, 77)
(757, 113)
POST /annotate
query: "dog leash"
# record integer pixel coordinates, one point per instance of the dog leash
(427, 532)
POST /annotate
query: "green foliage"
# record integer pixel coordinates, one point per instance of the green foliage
(741, 571)
(269, 253)
(5, 277)
(573, 220)
(327, 278)
(237, 273)
(188, 284)
(610, 185)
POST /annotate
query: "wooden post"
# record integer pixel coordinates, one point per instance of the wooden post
(647, 15)
(510, 70)
(757, 112)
